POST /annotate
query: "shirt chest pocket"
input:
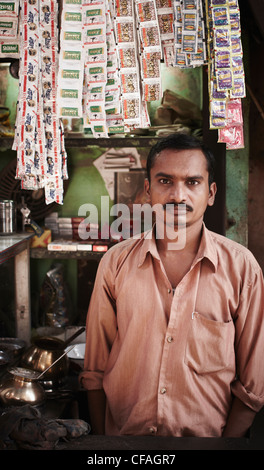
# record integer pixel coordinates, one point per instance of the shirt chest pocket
(210, 345)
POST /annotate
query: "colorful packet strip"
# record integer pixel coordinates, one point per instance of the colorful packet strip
(39, 142)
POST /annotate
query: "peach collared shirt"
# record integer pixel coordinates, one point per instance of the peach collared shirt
(170, 362)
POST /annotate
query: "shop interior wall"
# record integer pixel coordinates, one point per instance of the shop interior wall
(86, 185)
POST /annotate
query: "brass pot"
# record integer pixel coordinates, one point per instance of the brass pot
(42, 354)
(21, 387)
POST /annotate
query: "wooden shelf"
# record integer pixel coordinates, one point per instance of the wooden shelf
(42, 253)
(79, 141)
(73, 141)
(13, 245)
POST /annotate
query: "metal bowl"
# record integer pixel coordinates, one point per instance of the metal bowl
(43, 353)
(77, 352)
(5, 359)
(14, 346)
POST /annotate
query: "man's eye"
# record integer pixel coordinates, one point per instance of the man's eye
(164, 181)
(193, 182)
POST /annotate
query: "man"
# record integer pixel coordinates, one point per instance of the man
(175, 331)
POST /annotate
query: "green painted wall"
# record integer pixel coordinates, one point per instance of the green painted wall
(85, 182)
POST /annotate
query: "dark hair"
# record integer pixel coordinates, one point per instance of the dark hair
(181, 142)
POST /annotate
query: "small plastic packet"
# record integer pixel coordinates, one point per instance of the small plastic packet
(9, 8)
(94, 14)
(95, 34)
(217, 114)
(165, 21)
(232, 136)
(125, 30)
(234, 113)
(131, 108)
(165, 3)
(224, 79)
(152, 89)
(129, 81)
(96, 54)
(180, 58)
(146, 10)
(233, 5)
(239, 89)
(123, 7)
(150, 35)
(237, 65)
(9, 48)
(189, 21)
(150, 65)
(115, 124)
(168, 52)
(8, 27)
(222, 58)
(236, 44)
(96, 73)
(214, 93)
(96, 111)
(234, 21)
(96, 92)
(220, 16)
(99, 129)
(189, 5)
(222, 38)
(220, 2)
(189, 42)
(127, 56)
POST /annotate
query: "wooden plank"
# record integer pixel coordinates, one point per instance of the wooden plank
(22, 294)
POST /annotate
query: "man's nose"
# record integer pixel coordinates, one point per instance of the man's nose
(178, 193)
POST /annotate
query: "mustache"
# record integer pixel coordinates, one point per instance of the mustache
(172, 205)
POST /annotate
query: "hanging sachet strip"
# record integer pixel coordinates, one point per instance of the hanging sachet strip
(48, 82)
(39, 139)
(28, 95)
(71, 61)
(94, 25)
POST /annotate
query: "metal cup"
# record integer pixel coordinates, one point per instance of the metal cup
(7, 217)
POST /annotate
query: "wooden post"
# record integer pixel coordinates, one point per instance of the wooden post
(22, 294)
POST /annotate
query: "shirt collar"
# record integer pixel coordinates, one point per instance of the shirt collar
(206, 249)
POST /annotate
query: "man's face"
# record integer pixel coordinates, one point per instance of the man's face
(181, 177)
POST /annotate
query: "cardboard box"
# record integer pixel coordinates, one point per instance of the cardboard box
(42, 241)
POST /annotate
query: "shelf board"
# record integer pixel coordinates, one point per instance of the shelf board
(42, 253)
(12, 245)
(80, 141)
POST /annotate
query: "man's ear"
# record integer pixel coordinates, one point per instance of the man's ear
(147, 189)
(212, 193)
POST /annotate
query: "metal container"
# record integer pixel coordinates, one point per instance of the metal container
(8, 221)
(13, 346)
(42, 353)
(5, 359)
(21, 387)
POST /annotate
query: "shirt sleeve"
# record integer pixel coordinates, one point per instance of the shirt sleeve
(101, 327)
(249, 344)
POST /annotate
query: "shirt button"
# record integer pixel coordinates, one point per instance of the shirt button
(152, 430)
(170, 339)
(169, 291)
(163, 390)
